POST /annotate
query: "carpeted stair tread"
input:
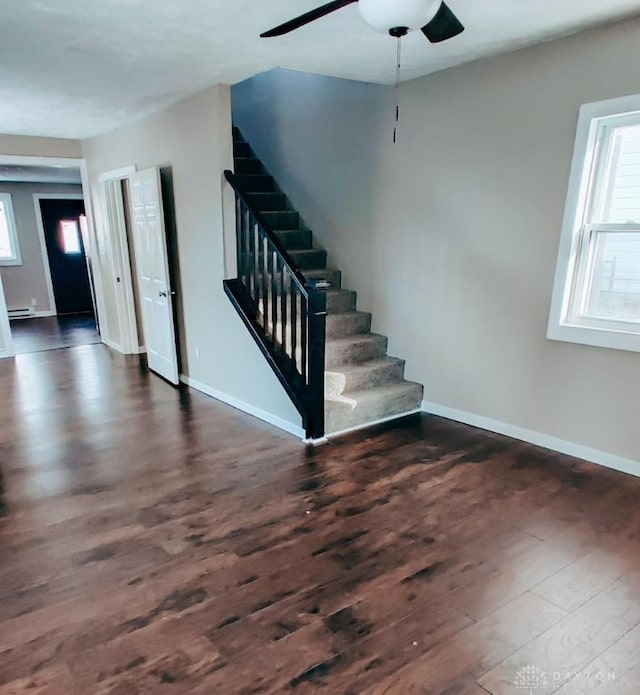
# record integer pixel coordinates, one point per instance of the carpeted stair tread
(348, 323)
(309, 259)
(356, 408)
(256, 183)
(294, 239)
(331, 275)
(268, 202)
(340, 301)
(344, 378)
(354, 348)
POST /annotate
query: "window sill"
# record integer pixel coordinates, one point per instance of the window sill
(596, 337)
(10, 262)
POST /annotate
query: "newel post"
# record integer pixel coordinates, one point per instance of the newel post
(317, 337)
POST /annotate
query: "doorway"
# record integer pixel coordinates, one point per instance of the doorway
(63, 236)
(62, 226)
(62, 222)
(49, 301)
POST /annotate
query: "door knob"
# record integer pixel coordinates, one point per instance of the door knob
(162, 293)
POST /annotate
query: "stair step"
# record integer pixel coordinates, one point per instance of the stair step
(242, 149)
(358, 377)
(247, 165)
(256, 183)
(339, 301)
(237, 135)
(360, 407)
(355, 348)
(293, 239)
(331, 275)
(269, 201)
(309, 259)
(348, 323)
(282, 220)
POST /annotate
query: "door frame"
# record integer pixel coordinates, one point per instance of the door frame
(37, 197)
(112, 202)
(79, 163)
(5, 328)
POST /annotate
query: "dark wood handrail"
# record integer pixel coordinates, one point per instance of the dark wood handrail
(269, 233)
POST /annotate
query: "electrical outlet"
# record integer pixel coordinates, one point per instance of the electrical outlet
(34, 301)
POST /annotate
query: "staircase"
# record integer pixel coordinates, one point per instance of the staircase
(362, 383)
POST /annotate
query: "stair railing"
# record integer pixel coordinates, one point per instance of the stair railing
(285, 313)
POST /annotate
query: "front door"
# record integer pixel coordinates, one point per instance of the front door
(152, 267)
(61, 221)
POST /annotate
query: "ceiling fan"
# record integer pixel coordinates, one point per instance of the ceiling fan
(397, 17)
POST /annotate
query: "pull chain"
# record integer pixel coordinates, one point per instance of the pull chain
(398, 64)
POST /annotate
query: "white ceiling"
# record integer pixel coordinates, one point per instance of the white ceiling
(76, 68)
(32, 174)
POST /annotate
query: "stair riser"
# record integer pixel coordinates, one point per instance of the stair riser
(244, 167)
(336, 384)
(256, 183)
(314, 260)
(337, 354)
(282, 221)
(339, 302)
(341, 417)
(242, 149)
(268, 202)
(295, 239)
(339, 326)
(330, 275)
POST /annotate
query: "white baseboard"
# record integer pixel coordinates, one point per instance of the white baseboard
(244, 407)
(114, 346)
(35, 315)
(118, 348)
(602, 458)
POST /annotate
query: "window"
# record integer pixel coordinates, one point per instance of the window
(9, 248)
(70, 237)
(596, 297)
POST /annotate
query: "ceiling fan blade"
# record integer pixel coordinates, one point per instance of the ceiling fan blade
(445, 25)
(307, 18)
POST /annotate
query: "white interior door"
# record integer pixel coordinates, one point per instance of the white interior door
(152, 267)
(6, 342)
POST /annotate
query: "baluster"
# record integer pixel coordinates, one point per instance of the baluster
(304, 316)
(294, 322)
(247, 259)
(265, 279)
(317, 313)
(274, 295)
(283, 308)
(239, 246)
(256, 266)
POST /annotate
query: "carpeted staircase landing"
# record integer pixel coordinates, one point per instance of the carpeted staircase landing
(362, 383)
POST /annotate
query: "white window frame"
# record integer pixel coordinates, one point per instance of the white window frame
(16, 259)
(588, 168)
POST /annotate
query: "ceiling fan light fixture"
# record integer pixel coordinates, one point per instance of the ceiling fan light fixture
(386, 15)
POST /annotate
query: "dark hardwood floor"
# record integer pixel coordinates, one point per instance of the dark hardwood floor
(157, 541)
(53, 333)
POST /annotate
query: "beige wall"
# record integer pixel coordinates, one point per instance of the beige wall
(193, 138)
(452, 238)
(25, 146)
(25, 282)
